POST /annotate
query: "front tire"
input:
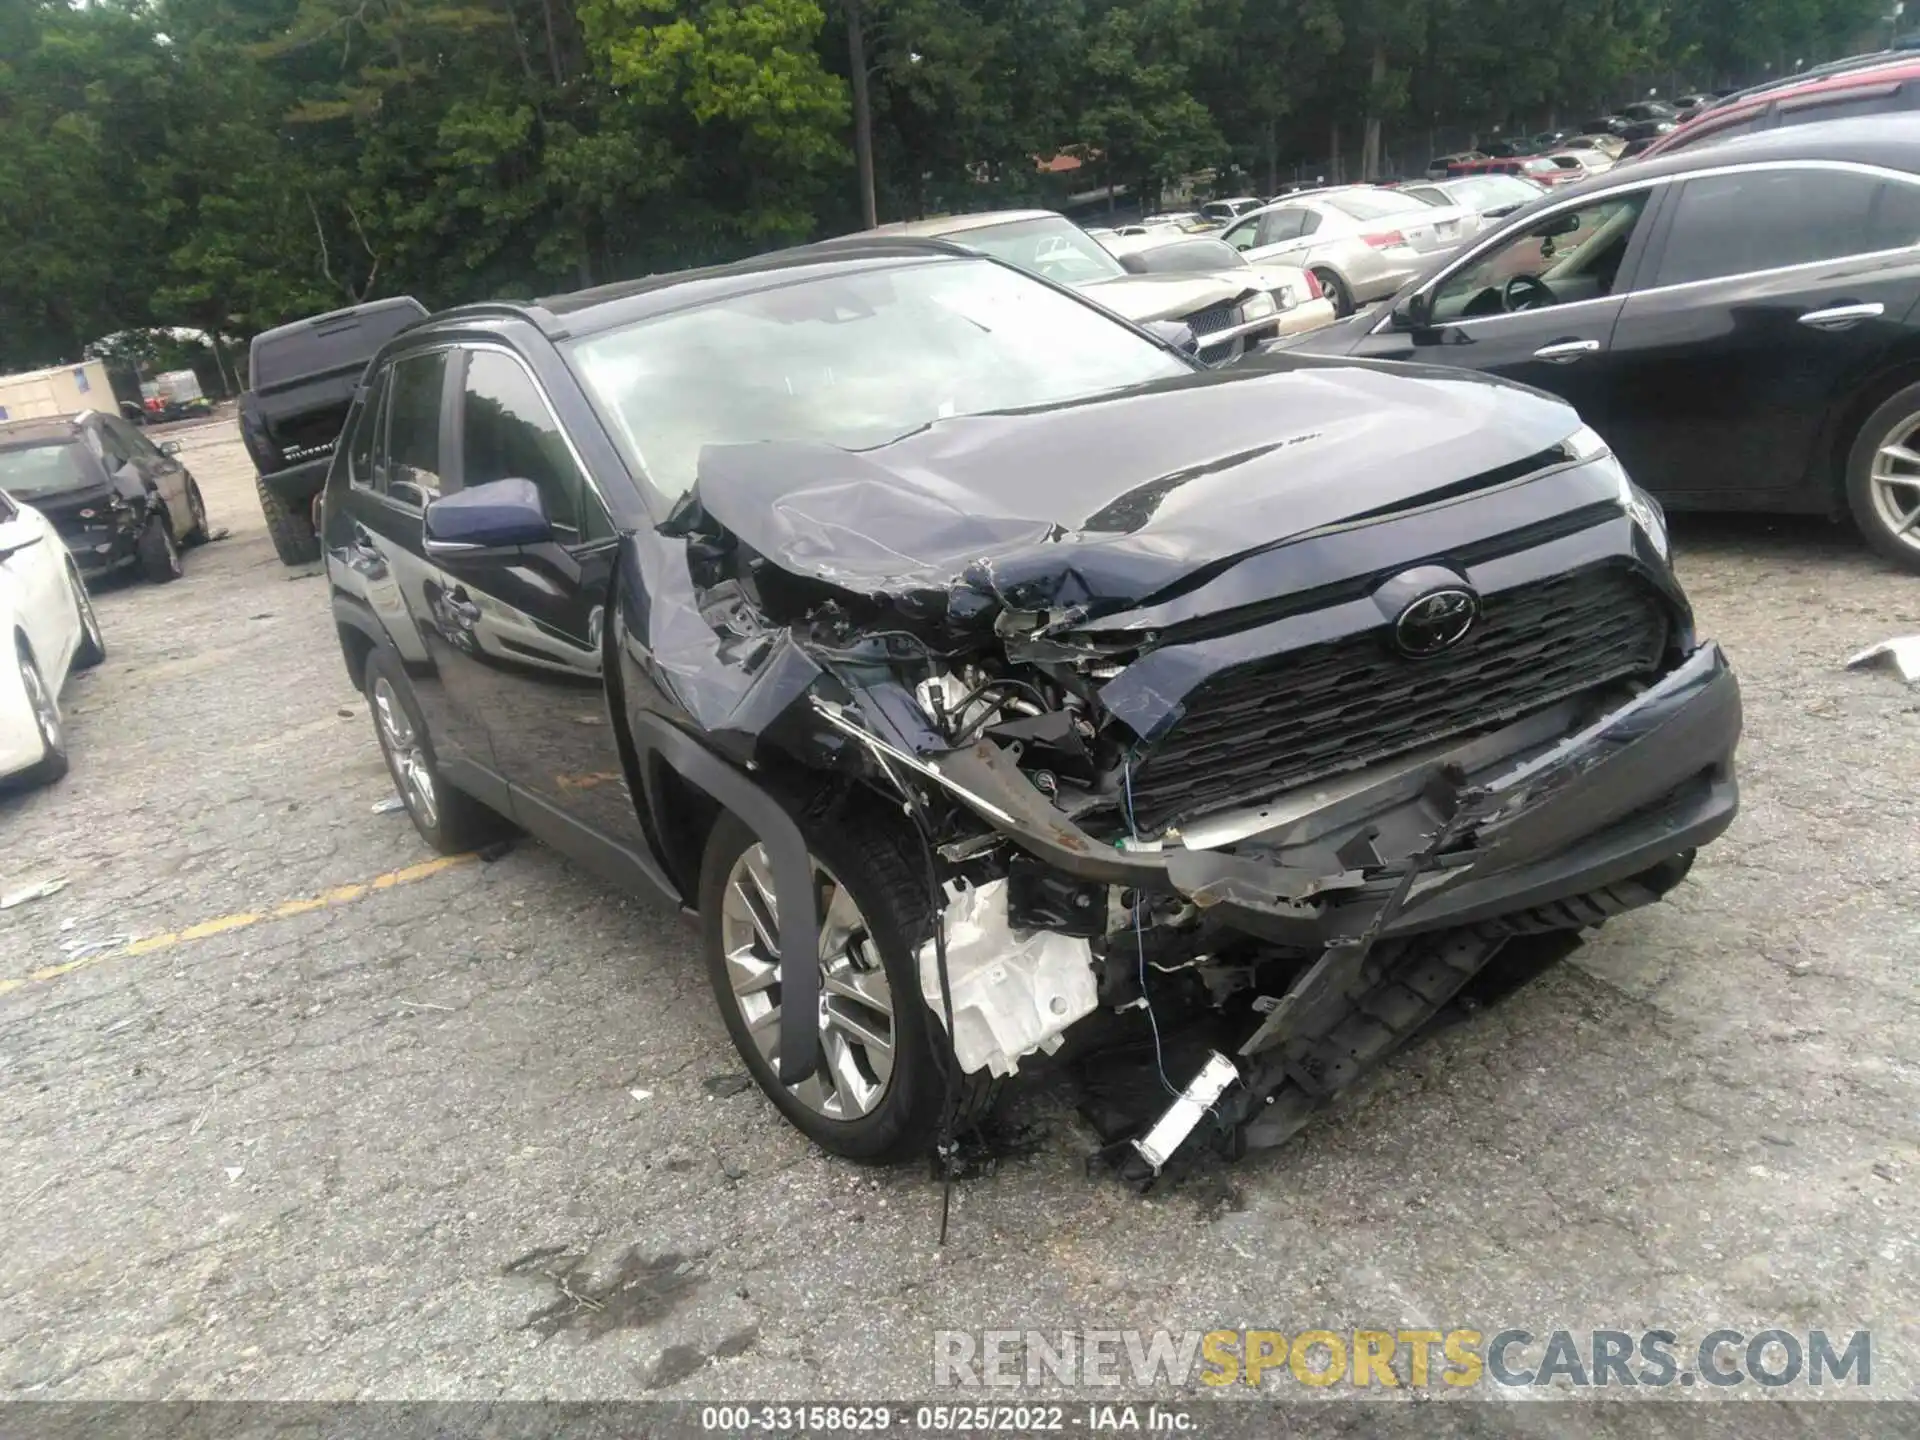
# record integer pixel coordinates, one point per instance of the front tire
(158, 552)
(880, 1090)
(1883, 479)
(449, 820)
(45, 706)
(295, 540)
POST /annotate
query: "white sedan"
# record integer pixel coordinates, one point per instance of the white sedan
(45, 613)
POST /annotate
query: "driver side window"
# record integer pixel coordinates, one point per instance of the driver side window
(1567, 256)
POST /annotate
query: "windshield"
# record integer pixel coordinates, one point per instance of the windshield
(1049, 246)
(852, 360)
(45, 470)
(1376, 204)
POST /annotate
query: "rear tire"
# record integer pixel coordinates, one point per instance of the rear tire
(294, 538)
(159, 553)
(873, 862)
(197, 513)
(448, 819)
(52, 763)
(1335, 289)
(92, 648)
(1883, 487)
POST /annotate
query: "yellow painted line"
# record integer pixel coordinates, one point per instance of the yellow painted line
(223, 924)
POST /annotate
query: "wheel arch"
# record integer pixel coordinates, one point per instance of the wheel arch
(1846, 418)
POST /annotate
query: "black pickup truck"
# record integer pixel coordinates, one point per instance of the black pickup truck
(302, 378)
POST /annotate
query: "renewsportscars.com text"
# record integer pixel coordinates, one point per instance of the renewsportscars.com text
(1396, 1359)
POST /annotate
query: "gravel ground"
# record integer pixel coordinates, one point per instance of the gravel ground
(351, 1126)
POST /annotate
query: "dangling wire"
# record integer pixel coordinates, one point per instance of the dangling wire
(1140, 939)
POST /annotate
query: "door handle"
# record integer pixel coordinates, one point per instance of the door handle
(1839, 316)
(1563, 352)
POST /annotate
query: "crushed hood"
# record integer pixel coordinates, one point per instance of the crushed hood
(1141, 298)
(1106, 502)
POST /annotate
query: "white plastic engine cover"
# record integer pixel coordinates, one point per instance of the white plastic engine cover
(1013, 993)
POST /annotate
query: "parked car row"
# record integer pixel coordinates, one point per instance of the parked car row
(81, 496)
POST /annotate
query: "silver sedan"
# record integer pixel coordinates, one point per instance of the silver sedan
(1361, 243)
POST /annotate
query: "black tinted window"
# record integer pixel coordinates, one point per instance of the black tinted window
(509, 434)
(1765, 219)
(1896, 217)
(366, 434)
(412, 470)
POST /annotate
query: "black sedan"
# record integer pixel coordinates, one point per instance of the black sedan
(972, 661)
(1738, 321)
(116, 498)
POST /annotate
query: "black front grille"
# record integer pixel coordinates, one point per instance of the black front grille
(1214, 317)
(1261, 728)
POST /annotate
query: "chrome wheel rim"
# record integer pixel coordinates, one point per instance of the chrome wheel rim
(46, 712)
(406, 754)
(857, 1032)
(1895, 482)
(173, 549)
(89, 622)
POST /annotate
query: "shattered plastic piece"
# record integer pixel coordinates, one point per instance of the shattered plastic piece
(81, 949)
(234, 1172)
(1905, 653)
(1170, 1131)
(389, 805)
(38, 890)
(641, 1094)
(1013, 992)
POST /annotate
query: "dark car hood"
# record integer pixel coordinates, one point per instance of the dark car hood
(1111, 501)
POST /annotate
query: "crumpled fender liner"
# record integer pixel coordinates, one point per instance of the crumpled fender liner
(792, 880)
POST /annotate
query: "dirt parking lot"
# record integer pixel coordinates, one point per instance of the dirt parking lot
(295, 1110)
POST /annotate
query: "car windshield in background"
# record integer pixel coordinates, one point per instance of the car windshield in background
(1048, 245)
(1376, 204)
(854, 360)
(44, 470)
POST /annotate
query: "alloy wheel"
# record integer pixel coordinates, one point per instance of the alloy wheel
(1895, 482)
(173, 546)
(856, 1004)
(46, 710)
(406, 753)
(89, 622)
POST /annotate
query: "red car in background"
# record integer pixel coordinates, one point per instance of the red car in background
(1874, 85)
(1537, 168)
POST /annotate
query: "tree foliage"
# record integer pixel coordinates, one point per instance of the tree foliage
(227, 165)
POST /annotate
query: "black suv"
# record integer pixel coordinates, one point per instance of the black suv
(301, 378)
(972, 661)
(116, 498)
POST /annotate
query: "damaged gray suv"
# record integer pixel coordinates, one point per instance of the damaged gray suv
(986, 677)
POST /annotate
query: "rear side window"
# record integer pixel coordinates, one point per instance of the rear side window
(1288, 224)
(1766, 220)
(411, 472)
(508, 433)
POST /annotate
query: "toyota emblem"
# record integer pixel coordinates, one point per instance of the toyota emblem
(1436, 622)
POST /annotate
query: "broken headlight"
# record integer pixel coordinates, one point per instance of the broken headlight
(1258, 306)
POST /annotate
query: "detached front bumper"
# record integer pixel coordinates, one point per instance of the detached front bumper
(1508, 825)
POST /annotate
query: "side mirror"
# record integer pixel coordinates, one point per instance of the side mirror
(1414, 313)
(170, 447)
(500, 515)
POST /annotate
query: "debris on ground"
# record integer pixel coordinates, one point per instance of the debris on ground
(722, 1087)
(82, 949)
(1902, 650)
(389, 805)
(36, 890)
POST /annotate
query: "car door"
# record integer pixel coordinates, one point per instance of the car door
(1536, 303)
(1272, 234)
(36, 567)
(533, 623)
(1774, 291)
(394, 470)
